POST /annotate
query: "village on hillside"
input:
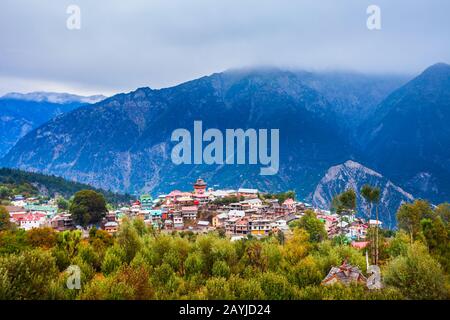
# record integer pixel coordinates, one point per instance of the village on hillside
(236, 213)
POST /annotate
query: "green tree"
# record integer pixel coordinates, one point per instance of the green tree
(129, 240)
(245, 289)
(88, 207)
(435, 233)
(314, 227)
(372, 196)
(443, 210)
(12, 241)
(140, 227)
(28, 275)
(193, 264)
(344, 203)
(218, 289)
(220, 269)
(68, 241)
(276, 286)
(89, 255)
(409, 216)
(417, 275)
(5, 223)
(114, 258)
(62, 204)
(399, 244)
(5, 193)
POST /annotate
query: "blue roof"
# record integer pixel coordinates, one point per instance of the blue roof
(155, 212)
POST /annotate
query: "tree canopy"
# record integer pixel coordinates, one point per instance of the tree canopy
(88, 207)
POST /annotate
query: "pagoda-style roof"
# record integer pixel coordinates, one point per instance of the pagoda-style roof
(200, 183)
(345, 274)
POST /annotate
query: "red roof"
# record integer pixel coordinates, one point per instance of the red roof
(360, 245)
(31, 217)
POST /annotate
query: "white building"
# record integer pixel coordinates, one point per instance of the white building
(236, 214)
(31, 221)
(253, 203)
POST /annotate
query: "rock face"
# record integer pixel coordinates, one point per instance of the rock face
(20, 113)
(354, 175)
(408, 138)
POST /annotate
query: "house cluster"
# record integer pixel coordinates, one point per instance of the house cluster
(353, 228)
(203, 209)
(200, 210)
(29, 213)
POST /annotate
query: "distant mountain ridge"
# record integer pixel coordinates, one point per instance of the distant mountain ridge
(20, 113)
(53, 97)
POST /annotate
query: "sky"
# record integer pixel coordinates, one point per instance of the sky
(123, 45)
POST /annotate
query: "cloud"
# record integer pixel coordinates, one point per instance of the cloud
(127, 44)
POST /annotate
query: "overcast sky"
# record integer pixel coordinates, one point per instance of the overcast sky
(123, 45)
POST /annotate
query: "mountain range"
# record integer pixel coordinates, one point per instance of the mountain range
(396, 127)
(21, 113)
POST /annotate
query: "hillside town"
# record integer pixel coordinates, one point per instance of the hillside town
(237, 213)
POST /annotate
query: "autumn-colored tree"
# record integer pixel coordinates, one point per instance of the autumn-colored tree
(443, 210)
(42, 237)
(138, 279)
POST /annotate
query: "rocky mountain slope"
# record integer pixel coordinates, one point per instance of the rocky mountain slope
(354, 175)
(408, 138)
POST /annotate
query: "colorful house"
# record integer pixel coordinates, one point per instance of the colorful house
(146, 201)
